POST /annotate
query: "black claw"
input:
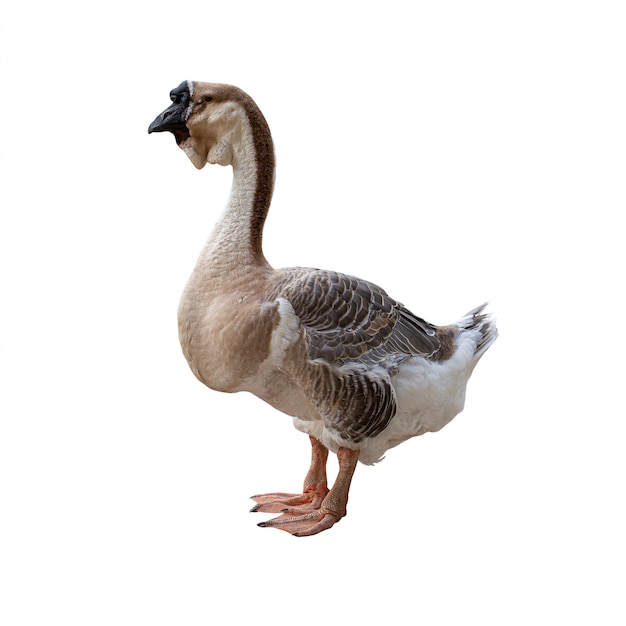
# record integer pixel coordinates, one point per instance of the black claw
(262, 524)
(254, 509)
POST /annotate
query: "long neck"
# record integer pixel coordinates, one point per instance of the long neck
(238, 236)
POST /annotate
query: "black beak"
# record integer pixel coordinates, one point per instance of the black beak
(173, 118)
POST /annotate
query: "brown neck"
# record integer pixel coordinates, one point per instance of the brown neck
(264, 164)
(235, 245)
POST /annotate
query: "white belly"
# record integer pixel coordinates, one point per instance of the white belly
(429, 395)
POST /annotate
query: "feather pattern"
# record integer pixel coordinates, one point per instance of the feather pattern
(348, 319)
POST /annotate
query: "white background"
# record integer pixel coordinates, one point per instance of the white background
(453, 152)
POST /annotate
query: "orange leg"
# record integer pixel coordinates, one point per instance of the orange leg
(314, 490)
(317, 508)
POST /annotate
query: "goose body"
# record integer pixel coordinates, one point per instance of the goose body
(358, 372)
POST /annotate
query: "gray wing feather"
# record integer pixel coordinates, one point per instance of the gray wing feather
(357, 336)
(349, 319)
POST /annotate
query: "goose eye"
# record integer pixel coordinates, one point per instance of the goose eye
(208, 98)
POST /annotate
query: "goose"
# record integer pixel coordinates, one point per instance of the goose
(356, 370)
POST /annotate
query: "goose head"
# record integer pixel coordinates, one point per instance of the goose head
(206, 121)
